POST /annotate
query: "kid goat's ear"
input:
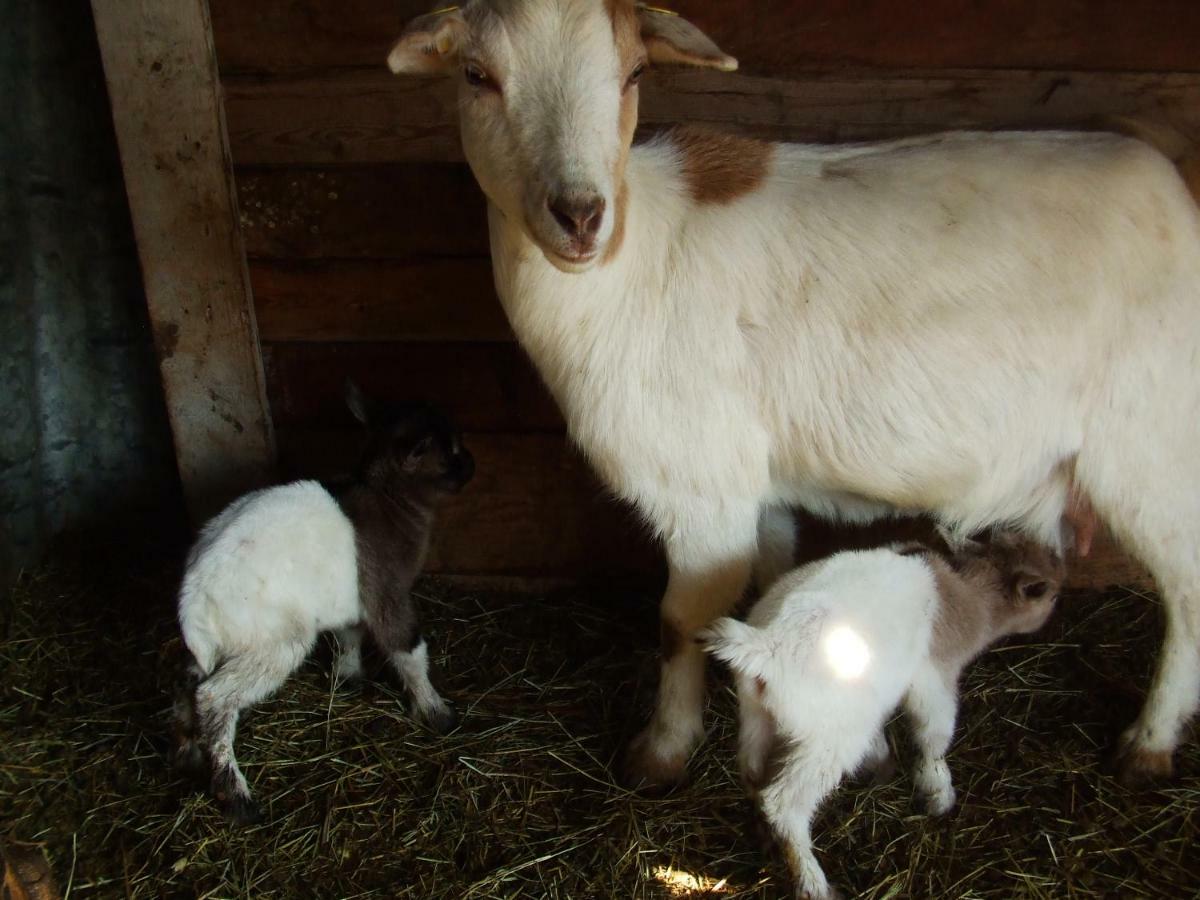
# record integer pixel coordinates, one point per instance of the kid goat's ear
(360, 406)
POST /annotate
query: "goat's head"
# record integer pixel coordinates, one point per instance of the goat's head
(548, 94)
(1031, 576)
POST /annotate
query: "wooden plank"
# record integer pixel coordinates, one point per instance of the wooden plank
(371, 117)
(774, 36)
(377, 300)
(162, 80)
(378, 212)
(533, 508)
(486, 387)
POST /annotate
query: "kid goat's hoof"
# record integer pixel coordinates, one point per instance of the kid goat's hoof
(241, 810)
(441, 719)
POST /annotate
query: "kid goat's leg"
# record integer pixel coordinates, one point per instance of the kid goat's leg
(237, 683)
(395, 630)
(709, 572)
(347, 668)
(933, 705)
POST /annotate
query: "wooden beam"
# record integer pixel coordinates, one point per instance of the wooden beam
(162, 80)
(372, 117)
(487, 387)
(774, 37)
(377, 300)
(355, 212)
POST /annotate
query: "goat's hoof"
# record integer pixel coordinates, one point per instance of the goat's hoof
(188, 759)
(829, 893)
(648, 772)
(939, 803)
(240, 809)
(441, 719)
(1138, 768)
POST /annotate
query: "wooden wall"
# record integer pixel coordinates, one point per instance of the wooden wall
(334, 158)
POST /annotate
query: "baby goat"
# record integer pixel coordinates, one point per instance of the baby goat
(280, 565)
(831, 650)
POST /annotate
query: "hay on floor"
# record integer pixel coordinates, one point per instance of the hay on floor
(520, 801)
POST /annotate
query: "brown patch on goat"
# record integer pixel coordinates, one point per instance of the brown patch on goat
(670, 640)
(626, 35)
(719, 168)
(618, 234)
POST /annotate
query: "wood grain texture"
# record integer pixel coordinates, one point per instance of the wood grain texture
(774, 37)
(486, 387)
(162, 81)
(397, 211)
(367, 117)
(533, 509)
(377, 300)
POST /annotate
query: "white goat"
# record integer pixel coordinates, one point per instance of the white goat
(827, 655)
(965, 324)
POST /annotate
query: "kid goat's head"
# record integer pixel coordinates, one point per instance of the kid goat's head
(548, 94)
(410, 444)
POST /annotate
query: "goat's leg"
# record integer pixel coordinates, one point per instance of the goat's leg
(237, 683)
(932, 705)
(1144, 489)
(789, 803)
(776, 545)
(347, 667)
(879, 763)
(756, 735)
(1147, 746)
(188, 753)
(704, 584)
(395, 630)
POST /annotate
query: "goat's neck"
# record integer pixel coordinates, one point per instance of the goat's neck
(564, 321)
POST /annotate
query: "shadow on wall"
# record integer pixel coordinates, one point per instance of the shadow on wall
(84, 445)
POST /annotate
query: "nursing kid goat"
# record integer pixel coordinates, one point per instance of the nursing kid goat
(974, 325)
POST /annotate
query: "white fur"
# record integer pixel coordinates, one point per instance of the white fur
(277, 566)
(937, 324)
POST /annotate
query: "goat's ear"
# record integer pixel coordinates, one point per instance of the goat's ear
(360, 405)
(670, 38)
(429, 44)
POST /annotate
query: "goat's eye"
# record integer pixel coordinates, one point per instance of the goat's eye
(1036, 590)
(475, 75)
(636, 75)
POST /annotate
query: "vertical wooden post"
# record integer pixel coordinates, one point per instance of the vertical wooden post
(161, 70)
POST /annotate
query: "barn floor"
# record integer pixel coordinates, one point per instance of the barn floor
(519, 801)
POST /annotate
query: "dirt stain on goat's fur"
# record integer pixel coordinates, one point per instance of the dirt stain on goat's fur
(720, 168)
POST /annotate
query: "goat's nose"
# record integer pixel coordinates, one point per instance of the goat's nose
(579, 214)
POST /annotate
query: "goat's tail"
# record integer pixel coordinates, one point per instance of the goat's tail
(1179, 148)
(736, 643)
